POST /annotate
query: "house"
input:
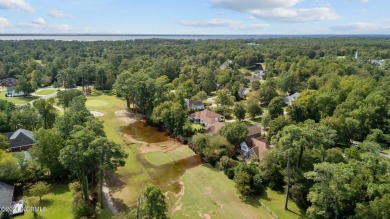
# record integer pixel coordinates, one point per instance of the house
(290, 99)
(211, 120)
(8, 82)
(243, 92)
(6, 196)
(194, 105)
(21, 140)
(254, 131)
(259, 147)
(256, 77)
(226, 64)
(12, 93)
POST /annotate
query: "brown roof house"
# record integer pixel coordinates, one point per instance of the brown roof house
(211, 120)
(254, 145)
(8, 82)
(21, 140)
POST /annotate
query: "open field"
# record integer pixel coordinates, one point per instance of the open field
(208, 193)
(194, 192)
(46, 92)
(274, 200)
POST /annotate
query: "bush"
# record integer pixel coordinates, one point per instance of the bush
(75, 187)
(82, 209)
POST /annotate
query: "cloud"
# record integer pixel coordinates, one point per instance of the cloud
(362, 28)
(277, 10)
(45, 27)
(4, 23)
(56, 13)
(232, 24)
(39, 21)
(16, 5)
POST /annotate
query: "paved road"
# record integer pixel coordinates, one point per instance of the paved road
(45, 97)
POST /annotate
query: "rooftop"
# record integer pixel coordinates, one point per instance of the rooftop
(6, 194)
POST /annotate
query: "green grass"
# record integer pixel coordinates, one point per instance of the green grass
(58, 204)
(17, 100)
(196, 127)
(208, 192)
(158, 158)
(275, 201)
(46, 92)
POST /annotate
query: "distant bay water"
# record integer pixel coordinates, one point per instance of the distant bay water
(97, 37)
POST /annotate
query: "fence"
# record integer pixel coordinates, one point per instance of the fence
(269, 210)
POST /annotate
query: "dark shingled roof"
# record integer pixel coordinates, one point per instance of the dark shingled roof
(21, 137)
(6, 194)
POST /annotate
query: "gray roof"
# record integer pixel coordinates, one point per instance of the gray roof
(291, 98)
(190, 103)
(21, 137)
(6, 194)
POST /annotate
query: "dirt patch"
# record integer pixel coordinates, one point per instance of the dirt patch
(125, 116)
(205, 216)
(162, 146)
(96, 113)
(178, 203)
(152, 147)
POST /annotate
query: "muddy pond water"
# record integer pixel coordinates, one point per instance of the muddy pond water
(165, 176)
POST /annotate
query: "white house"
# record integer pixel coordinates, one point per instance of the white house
(12, 93)
(290, 99)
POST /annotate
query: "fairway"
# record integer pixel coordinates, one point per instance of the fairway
(17, 100)
(200, 192)
(45, 92)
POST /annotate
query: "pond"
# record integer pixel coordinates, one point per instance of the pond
(144, 132)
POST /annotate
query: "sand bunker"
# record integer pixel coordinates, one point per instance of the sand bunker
(125, 116)
(96, 113)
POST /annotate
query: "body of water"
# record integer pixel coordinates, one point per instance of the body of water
(92, 37)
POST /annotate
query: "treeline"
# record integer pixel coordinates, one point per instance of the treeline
(71, 147)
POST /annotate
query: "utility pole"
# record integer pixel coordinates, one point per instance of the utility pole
(288, 181)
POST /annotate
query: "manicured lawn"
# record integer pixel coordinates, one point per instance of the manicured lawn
(46, 92)
(17, 100)
(58, 204)
(208, 193)
(275, 201)
(158, 158)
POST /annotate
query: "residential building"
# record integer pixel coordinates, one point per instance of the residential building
(12, 93)
(6, 196)
(194, 105)
(8, 82)
(290, 99)
(211, 120)
(21, 140)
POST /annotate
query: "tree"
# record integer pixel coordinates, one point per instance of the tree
(275, 107)
(171, 115)
(47, 112)
(66, 96)
(33, 202)
(151, 203)
(248, 179)
(253, 106)
(277, 125)
(47, 150)
(266, 93)
(377, 208)
(4, 144)
(224, 98)
(40, 189)
(24, 86)
(234, 132)
(239, 111)
(9, 167)
(110, 156)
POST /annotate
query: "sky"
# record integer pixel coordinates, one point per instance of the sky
(195, 16)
